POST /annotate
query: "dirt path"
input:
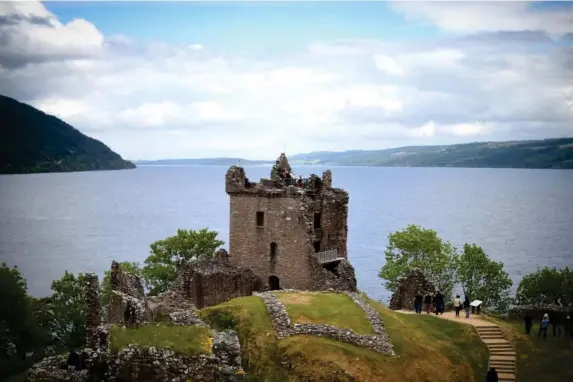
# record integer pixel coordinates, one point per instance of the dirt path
(502, 355)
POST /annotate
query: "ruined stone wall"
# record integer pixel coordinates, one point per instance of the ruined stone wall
(127, 304)
(403, 298)
(334, 220)
(284, 224)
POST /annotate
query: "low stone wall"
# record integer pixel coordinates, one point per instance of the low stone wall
(380, 342)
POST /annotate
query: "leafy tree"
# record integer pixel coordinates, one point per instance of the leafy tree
(170, 253)
(68, 307)
(416, 247)
(20, 334)
(105, 287)
(545, 286)
(482, 278)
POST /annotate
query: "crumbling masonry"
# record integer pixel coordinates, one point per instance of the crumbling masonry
(291, 232)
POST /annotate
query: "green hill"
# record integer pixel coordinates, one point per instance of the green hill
(547, 153)
(427, 348)
(32, 141)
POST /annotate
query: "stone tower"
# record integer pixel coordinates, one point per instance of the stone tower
(290, 231)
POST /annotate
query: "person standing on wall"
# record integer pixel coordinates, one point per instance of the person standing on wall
(457, 305)
(428, 302)
(467, 306)
(418, 302)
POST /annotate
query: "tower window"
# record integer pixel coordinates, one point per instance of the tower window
(317, 220)
(274, 250)
(316, 246)
(260, 218)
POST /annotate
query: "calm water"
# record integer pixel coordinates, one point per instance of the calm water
(82, 221)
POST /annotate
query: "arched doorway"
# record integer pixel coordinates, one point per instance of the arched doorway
(274, 283)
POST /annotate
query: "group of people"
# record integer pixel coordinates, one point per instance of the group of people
(436, 302)
(556, 323)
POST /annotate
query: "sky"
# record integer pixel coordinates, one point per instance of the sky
(162, 80)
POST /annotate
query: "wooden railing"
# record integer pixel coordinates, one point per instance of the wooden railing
(327, 256)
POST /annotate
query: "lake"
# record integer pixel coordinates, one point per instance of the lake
(80, 222)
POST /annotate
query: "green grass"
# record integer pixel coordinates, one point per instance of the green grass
(428, 349)
(325, 308)
(188, 340)
(537, 359)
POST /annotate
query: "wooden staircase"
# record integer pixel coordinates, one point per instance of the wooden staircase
(502, 355)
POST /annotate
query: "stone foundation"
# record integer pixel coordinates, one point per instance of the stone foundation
(380, 342)
(403, 298)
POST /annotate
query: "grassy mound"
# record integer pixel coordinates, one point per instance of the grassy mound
(427, 348)
(537, 359)
(188, 340)
(325, 308)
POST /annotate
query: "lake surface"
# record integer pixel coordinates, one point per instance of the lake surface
(80, 222)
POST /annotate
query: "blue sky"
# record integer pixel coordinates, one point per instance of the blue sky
(239, 26)
(186, 79)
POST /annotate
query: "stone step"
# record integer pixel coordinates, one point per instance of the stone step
(501, 358)
(505, 377)
(504, 369)
(492, 337)
(499, 346)
(488, 329)
(502, 353)
(500, 362)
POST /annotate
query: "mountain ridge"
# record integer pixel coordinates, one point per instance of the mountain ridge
(32, 141)
(551, 153)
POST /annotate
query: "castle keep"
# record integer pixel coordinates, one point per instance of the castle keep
(291, 232)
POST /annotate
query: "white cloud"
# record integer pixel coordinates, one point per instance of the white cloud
(161, 100)
(489, 16)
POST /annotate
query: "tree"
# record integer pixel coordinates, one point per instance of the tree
(416, 247)
(105, 287)
(545, 286)
(68, 307)
(482, 278)
(20, 334)
(169, 254)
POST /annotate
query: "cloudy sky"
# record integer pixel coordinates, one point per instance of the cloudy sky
(189, 80)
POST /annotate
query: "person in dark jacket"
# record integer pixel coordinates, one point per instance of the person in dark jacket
(439, 302)
(428, 303)
(528, 322)
(467, 307)
(418, 302)
(555, 322)
(492, 375)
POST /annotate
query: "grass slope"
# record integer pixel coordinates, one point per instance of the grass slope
(427, 348)
(537, 359)
(188, 340)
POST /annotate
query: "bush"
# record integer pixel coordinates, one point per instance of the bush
(220, 319)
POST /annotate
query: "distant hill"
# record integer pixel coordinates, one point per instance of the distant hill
(203, 162)
(32, 141)
(547, 153)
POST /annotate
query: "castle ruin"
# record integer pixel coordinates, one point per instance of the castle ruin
(291, 232)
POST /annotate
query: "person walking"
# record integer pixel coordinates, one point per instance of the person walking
(418, 302)
(467, 307)
(428, 302)
(439, 303)
(457, 305)
(543, 326)
(528, 322)
(492, 375)
(555, 322)
(568, 326)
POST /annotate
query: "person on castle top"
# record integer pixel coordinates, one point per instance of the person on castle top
(427, 302)
(418, 302)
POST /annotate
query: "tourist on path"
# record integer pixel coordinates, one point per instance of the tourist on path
(555, 322)
(439, 301)
(428, 303)
(458, 305)
(418, 302)
(543, 326)
(492, 375)
(467, 307)
(528, 323)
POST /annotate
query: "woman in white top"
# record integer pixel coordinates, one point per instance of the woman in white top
(458, 305)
